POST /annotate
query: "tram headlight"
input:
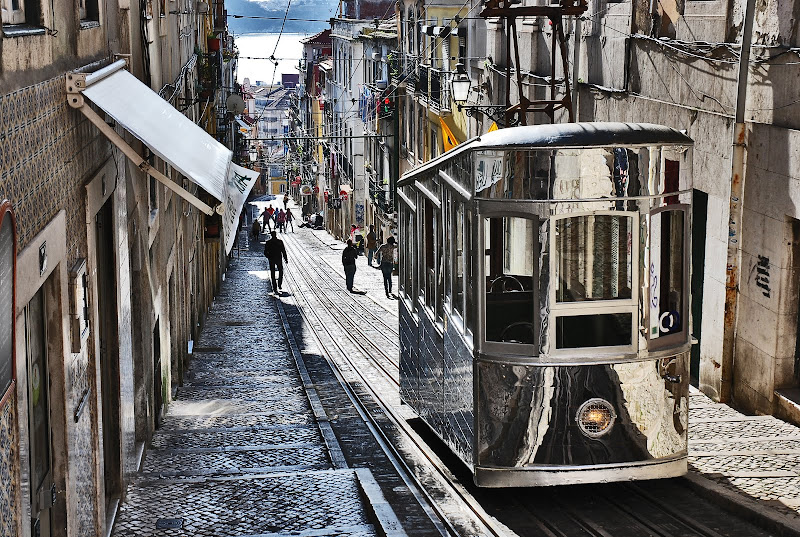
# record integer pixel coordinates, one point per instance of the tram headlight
(595, 417)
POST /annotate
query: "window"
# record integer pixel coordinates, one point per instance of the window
(26, 12)
(666, 274)
(593, 272)
(457, 270)
(428, 234)
(594, 258)
(469, 268)
(510, 279)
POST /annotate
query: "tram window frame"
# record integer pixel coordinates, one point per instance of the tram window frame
(470, 242)
(446, 251)
(680, 337)
(480, 285)
(458, 261)
(595, 307)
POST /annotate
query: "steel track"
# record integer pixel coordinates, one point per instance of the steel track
(488, 526)
(560, 517)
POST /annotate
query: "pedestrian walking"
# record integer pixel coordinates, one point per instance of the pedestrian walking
(280, 220)
(290, 219)
(267, 217)
(285, 201)
(349, 256)
(255, 229)
(387, 256)
(275, 252)
(372, 244)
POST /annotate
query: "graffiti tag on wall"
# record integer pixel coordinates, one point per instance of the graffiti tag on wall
(761, 271)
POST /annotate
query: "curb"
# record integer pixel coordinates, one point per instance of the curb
(378, 509)
(751, 510)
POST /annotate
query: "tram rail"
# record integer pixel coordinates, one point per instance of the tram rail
(332, 346)
(625, 507)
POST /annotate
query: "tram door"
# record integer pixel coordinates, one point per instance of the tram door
(41, 467)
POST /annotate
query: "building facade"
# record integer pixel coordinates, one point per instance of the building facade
(110, 285)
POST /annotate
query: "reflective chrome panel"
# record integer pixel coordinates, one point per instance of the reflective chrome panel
(526, 413)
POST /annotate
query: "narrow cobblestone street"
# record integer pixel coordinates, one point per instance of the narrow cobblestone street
(261, 439)
(242, 450)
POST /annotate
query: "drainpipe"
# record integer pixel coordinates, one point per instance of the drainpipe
(733, 269)
(576, 67)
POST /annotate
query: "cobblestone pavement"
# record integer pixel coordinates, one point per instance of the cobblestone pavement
(758, 456)
(242, 450)
(754, 456)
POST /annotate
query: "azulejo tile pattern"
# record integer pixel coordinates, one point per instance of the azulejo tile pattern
(47, 152)
(47, 149)
(9, 470)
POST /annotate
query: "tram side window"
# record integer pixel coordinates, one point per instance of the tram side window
(409, 239)
(469, 267)
(594, 258)
(509, 269)
(458, 259)
(428, 234)
(666, 273)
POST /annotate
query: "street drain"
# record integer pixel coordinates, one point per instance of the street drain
(207, 349)
(169, 523)
(238, 323)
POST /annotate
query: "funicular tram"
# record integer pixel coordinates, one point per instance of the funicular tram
(544, 312)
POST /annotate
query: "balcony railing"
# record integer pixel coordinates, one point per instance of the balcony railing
(380, 197)
(423, 82)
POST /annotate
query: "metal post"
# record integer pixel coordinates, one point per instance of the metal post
(734, 257)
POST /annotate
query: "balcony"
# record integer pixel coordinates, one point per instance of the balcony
(433, 85)
(423, 81)
(380, 198)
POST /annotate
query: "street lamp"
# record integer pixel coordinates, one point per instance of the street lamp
(461, 84)
(253, 155)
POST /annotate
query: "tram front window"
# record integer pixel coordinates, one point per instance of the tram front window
(509, 269)
(594, 258)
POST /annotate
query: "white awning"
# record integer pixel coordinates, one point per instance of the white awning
(168, 133)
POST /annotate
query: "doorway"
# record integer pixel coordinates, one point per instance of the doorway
(699, 219)
(108, 354)
(158, 399)
(41, 451)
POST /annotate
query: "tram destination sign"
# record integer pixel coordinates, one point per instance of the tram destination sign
(7, 283)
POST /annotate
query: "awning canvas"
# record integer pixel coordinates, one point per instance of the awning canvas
(169, 134)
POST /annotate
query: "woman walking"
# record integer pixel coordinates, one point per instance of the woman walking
(281, 221)
(387, 257)
(290, 219)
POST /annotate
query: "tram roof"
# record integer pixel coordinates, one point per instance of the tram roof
(587, 134)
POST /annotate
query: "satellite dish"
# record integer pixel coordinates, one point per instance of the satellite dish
(235, 104)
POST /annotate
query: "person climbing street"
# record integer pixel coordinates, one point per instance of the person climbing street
(286, 201)
(280, 221)
(387, 256)
(275, 252)
(349, 256)
(290, 219)
(266, 216)
(372, 244)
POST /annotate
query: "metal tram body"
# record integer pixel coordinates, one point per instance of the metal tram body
(544, 302)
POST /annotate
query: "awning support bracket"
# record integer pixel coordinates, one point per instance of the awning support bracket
(75, 82)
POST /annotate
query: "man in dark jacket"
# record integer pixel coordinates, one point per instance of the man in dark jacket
(349, 256)
(275, 253)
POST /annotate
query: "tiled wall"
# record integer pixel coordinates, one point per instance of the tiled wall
(47, 152)
(9, 469)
